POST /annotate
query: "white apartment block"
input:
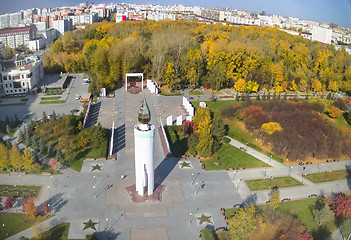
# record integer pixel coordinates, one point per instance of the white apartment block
(17, 36)
(20, 76)
(321, 34)
(62, 26)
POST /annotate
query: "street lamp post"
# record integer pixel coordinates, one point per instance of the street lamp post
(190, 219)
(192, 178)
(94, 179)
(290, 170)
(237, 188)
(94, 191)
(270, 182)
(270, 158)
(265, 173)
(195, 178)
(106, 224)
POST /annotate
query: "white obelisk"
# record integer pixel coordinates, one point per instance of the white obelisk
(144, 152)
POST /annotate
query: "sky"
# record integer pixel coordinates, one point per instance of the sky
(324, 11)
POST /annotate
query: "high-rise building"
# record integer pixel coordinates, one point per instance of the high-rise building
(15, 37)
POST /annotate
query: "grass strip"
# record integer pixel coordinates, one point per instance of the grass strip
(50, 98)
(268, 183)
(13, 104)
(53, 102)
(328, 176)
(196, 92)
(19, 191)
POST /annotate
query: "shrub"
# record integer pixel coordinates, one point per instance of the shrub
(207, 234)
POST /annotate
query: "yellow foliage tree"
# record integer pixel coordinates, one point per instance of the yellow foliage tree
(240, 85)
(4, 157)
(28, 159)
(274, 199)
(202, 119)
(333, 86)
(169, 77)
(316, 85)
(270, 128)
(333, 111)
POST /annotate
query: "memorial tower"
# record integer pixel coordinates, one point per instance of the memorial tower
(144, 134)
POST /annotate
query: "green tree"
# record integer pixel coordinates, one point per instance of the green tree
(7, 53)
(243, 223)
(59, 155)
(8, 129)
(42, 147)
(34, 142)
(218, 131)
(50, 151)
(20, 136)
(323, 215)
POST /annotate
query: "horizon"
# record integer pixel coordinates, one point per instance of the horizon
(322, 11)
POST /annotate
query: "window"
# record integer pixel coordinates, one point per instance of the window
(6, 85)
(5, 78)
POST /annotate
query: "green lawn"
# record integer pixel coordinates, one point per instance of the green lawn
(340, 122)
(263, 184)
(13, 104)
(17, 222)
(231, 157)
(196, 92)
(302, 210)
(60, 232)
(19, 191)
(50, 98)
(331, 176)
(53, 102)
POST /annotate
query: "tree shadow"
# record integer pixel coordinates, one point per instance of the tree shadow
(93, 114)
(251, 199)
(55, 202)
(109, 235)
(119, 140)
(321, 233)
(164, 169)
(348, 176)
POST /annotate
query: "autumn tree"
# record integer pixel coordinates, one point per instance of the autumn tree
(28, 159)
(9, 202)
(246, 215)
(53, 164)
(270, 128)
(46, 208)
(274, 199)
(240, 85)
(169, 77)
(4, 157)
(341, 205)
(29, 208)
(16, 158)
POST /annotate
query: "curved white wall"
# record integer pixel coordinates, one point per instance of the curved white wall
(144, 159)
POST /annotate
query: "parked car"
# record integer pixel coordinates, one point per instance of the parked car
(77, 97)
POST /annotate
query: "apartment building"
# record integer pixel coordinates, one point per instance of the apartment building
(15, 37)
(21, 75)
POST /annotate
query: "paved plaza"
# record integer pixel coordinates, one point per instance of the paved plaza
(96, 199)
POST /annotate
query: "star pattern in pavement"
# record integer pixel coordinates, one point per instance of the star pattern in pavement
(185, 164)
(96, 167)
(204, 218)
(89, 224)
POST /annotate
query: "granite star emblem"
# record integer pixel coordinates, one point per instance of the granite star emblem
(89, 224)
(203, 219)
(96, 167)
(185, 164)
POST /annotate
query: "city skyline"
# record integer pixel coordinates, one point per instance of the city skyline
(323, 11)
